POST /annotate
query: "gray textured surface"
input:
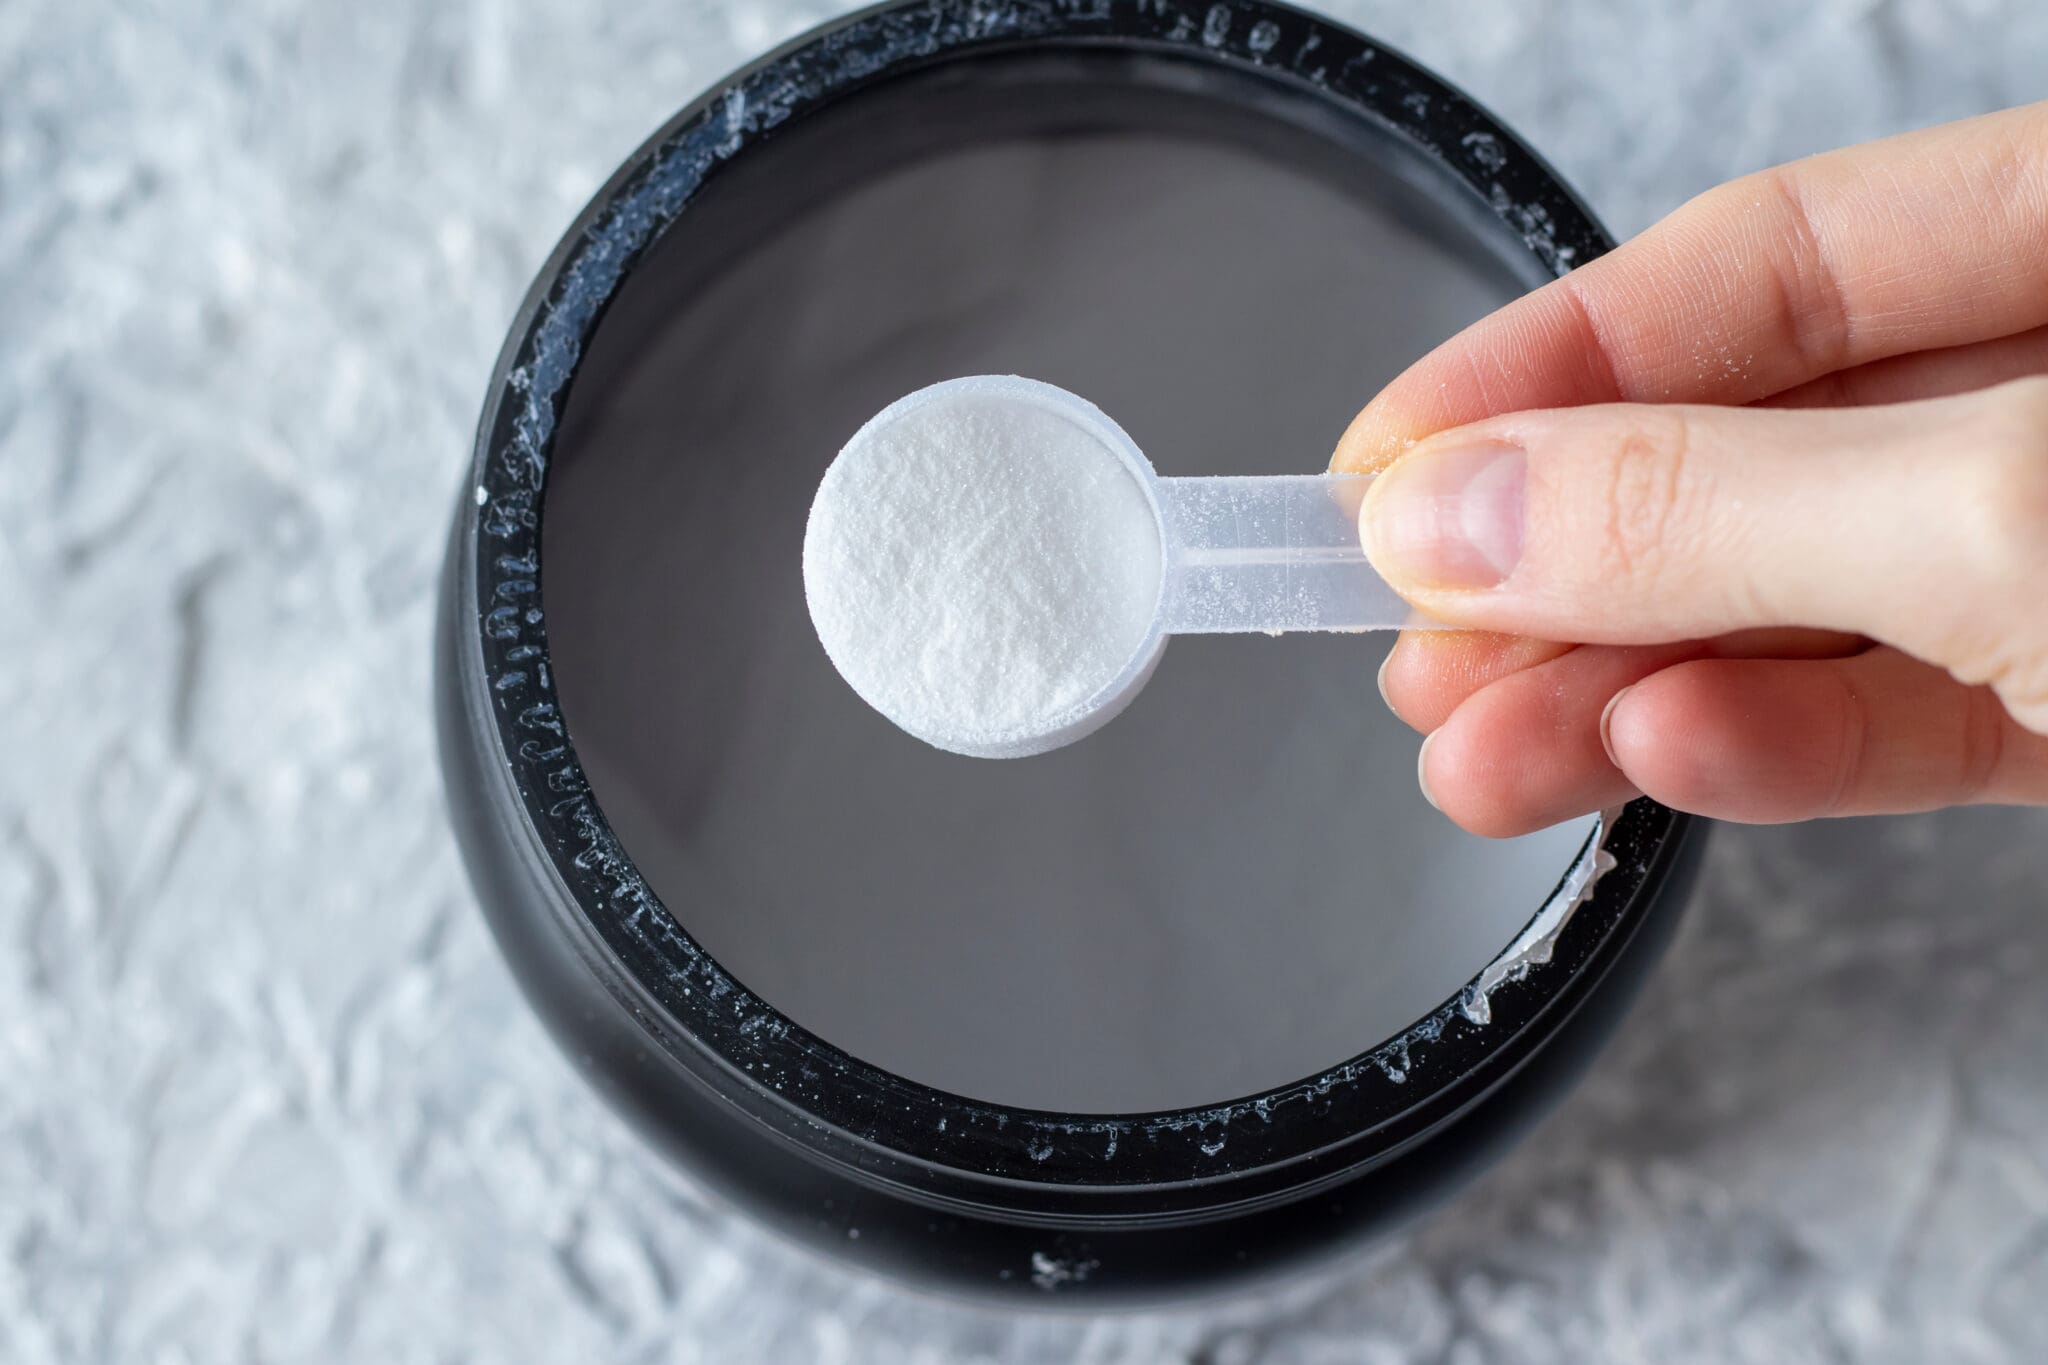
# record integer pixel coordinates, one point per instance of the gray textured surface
(265, 1091)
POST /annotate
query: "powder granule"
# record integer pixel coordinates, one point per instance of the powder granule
(979, 567)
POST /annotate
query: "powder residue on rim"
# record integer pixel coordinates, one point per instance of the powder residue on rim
(978, 567)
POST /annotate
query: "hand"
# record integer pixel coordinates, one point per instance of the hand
(1778, 468)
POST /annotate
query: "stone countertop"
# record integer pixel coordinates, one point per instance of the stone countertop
(266, 1092)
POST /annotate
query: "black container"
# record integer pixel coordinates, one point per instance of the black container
(940, 1190)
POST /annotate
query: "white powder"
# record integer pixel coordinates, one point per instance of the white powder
(979, 567)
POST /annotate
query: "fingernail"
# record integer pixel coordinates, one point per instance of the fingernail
(1380, 678)
(1422, 770)
(1449, 519)
(1607, 726)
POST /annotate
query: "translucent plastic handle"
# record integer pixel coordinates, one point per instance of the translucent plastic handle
(1272, 554)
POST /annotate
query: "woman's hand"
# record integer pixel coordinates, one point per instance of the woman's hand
(1779, 467)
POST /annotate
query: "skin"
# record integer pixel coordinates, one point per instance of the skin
(1751, 514)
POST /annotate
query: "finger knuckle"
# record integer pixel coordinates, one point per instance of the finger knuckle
(1982, 747)
(2006, 502)
(1649, 495)
(1999, 529)
(2029, 711)
(2003, 659)
(1851, 757)
(2020, 683)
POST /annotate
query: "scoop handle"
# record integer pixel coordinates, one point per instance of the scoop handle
(1271, 553)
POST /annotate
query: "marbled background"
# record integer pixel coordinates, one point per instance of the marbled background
(266, 1092)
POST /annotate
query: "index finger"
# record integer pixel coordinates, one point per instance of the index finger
(1929, 239)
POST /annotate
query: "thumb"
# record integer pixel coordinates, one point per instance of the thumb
(1923, 525)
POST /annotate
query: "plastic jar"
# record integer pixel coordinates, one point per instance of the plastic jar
(921, 1182)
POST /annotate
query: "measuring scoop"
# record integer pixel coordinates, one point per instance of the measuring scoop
(1263, 554)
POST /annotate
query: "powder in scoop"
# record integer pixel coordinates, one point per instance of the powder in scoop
(978, 567)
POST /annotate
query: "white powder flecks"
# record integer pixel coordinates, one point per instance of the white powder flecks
(979, 567)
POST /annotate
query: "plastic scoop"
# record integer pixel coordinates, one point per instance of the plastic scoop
(1254, 554)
